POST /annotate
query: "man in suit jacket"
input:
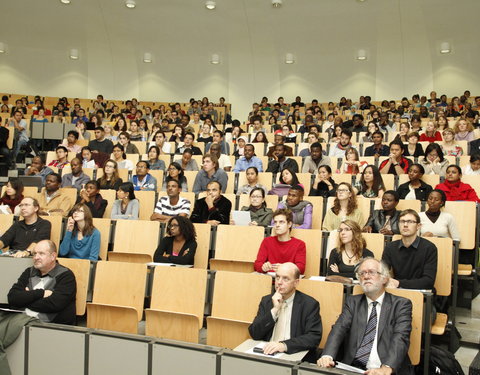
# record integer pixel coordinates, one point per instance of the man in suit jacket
(389, 351)
(288, 318)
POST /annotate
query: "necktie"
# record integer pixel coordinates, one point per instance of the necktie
(279, 334)
(363, 352)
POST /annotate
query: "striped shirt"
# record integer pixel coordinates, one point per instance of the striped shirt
(164, 207)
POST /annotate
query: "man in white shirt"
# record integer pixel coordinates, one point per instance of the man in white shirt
(172, 204)
(377, 345)
(21, 138)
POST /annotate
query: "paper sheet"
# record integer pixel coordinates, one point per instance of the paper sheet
(241, 217)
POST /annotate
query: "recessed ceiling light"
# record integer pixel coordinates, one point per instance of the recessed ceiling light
(445, 48)
(74, 54)
(65, 1)
(276, 3)
(361, 55)
(130, 4)
(210, 5)
(147, 57)
(215, 59)
(2, 47)
(289, 58)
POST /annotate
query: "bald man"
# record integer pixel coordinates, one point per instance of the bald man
(288, 319)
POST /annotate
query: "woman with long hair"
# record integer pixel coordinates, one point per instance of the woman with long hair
(352, 163)
(288, 178)
(120, 157)
(345, 207)
(179, 246)
(82, 239)
(13, 195)
(371, 183)
(126, 206)
(110, 179)
(160, 140)
(155, 163)
(351, 248)
(464, 131)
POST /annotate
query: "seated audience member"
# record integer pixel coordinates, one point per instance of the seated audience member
(288, 332)
(218, 139)
(435, 222)
(404, 131)
(464, 131)
(160, 140)
(351, 248)
(223, 160)
(352, 163)
(110, 179)
(38, 168)
(323, 185)
(172, 204)
(155, 163)
(62, 158)
(381, 351)
(248, 160)
(240, 143)
(449, 146)
(311, 138)
(4, 150)
(175, 173)
(278, 139)
(187, 162)
(178, 134)
(413, 148)
(370, 184)
(280, 161)
(385, 221)
(87, 158)
(205, 134)
(378, 148)
(124, 140)
(473, 168)
(23, 235)
(51, 300)
(434, 162)
(344, 207)
(188, 144)
(82, 239)
(144, 181)
(77, 179)
(412, 259)
(100, 143)
(431, 133)
(214, 209)
(338, 150)
(252, 182)
(71, 142)
(51, 200)
(179, 245)
(315, 160)
(13, 196)
(301, 210)
(120, 157)
(210, 172)
(259, 213)
(126, 206)
(281, 247)
(288, 178)
(395, 164)
(90, 197)
(454, 188)
(415, 188)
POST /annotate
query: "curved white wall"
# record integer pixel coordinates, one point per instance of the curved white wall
(402, 39)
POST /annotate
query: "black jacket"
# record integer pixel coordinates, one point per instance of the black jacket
(421, 193)
(220, 211)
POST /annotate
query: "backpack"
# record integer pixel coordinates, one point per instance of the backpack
(442, 362)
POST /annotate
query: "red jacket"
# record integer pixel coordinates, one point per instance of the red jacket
(436, 137)
(275, 251)
(458, 191)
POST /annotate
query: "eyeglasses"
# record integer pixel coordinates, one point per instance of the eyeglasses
(362, 274)
(170, 226)
(25, 205)
(408, 222)
(347, 229)
(343, 190)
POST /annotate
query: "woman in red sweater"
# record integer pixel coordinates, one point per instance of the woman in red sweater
(454, 188)
(431, 133)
